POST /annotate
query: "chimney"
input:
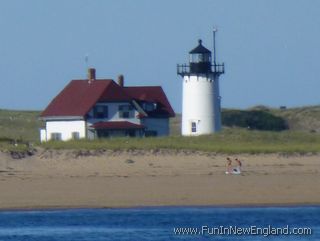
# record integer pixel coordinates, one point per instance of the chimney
(91, 74)
(121, 80)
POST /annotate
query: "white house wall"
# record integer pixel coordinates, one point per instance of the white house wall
(65, 128)
(160, 125)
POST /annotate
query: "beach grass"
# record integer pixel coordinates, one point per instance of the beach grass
(22, 127)
(228, 141)
(19, 125)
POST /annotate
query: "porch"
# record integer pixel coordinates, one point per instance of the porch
(115, 129)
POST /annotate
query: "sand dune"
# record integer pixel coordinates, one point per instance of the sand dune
(70, 178)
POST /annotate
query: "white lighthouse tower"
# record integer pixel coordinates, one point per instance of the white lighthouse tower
(201, 110)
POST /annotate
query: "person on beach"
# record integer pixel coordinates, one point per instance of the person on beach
(237, 170)
(232, 170)
(229, 166)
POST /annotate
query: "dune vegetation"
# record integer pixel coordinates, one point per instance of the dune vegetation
(230, 140)
(256, 130)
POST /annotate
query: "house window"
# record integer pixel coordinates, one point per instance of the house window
(56, 136)
(100, 111)
(193, 127)
(75, 135)
(149, 106)
(124, 111)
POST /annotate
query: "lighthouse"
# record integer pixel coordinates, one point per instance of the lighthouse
(201, 100)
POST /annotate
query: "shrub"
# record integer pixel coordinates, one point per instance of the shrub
(253, 119)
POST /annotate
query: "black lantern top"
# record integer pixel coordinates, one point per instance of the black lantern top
(200, 62)
(200, 49)
(200, 59)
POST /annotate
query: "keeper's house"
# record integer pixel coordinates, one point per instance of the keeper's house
(97, 108)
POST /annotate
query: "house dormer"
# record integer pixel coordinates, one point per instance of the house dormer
(149, 106)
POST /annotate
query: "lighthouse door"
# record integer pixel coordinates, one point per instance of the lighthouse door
(193, 127)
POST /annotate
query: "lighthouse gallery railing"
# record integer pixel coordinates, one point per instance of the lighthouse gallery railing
(184, 69)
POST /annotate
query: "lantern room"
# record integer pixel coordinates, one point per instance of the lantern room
(200, 59)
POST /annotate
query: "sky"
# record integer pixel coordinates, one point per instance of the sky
(270, 48)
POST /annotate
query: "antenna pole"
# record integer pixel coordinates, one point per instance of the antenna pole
(86, 60)
(214, 46)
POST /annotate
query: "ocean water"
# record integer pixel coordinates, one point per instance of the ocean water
(153, 223)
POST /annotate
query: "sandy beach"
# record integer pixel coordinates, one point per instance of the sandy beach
(68, 178)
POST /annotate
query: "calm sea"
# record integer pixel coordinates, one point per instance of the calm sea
(132, 224)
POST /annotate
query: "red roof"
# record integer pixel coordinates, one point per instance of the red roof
(79, 96)
(151, 94)
(116, 125)
(114, 93)
(76, 99)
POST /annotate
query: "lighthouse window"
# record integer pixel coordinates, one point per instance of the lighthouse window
(198, 58)
(193, 127)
